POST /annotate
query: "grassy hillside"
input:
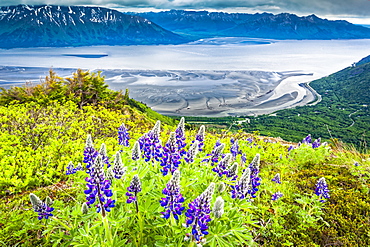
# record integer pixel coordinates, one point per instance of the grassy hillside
(39, 139)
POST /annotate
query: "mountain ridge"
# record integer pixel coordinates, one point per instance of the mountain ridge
(259, 25)
(56, 26)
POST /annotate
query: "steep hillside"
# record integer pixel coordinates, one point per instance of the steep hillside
(265, 25)
(48, 25)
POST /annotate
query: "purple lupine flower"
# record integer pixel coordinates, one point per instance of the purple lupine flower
(200, 138)
(322, 190)
(198, 213)
(316, 143)
(356, 163)
(232, 140)
(250, 140)
(118, 169)
(136, 152)
(151, 144)
(222, 167)
(180, 137)
(104, 155)
(255, 180)
(216, 153)
(98, 188)
(43, 209)
(232, 172)
(133, 189)
(70, 169)
(307, 139)
(193, 151)
(290, 148)
(234, 150)
(276, 196)
(171, 156)
(79, 167)
(172, 203)
(123, 136)
(276, 179)
(90, 153)
(243, 159)
(241, 188)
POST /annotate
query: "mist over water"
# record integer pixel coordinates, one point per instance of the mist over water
(154, 68)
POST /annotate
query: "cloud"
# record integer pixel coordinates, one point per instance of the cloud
(303, 7)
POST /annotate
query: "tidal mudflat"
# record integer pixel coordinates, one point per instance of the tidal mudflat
(211, 77)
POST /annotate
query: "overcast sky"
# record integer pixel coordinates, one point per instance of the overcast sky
(356, 11)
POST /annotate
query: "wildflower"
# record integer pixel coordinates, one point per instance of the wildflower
(322, 190)
(42, 208)
(316, 143)
(109, 175)
(151, 145)
(276, 179)
(90, 153)
(180, 137)
(255, 180)
(241, 188)
(118, 169)
(276, 196)
(218, 208)
(243, 159)
(221, 168)
(200, 138)
(171, 156)
(134, 188)
(84, 208)
(70, 169)
(193, 150)
(172, 203)
(232, 172)
(216, 153)
(232, 140)
(136, 152)
(104, 155)
(123, 136)
(234, 150)
(307, 139)
(79, 167)
(198, 213)
(290, 148)
(98, 188)
(250, 140)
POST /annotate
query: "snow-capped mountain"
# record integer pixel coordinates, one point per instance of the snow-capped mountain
(48, 25)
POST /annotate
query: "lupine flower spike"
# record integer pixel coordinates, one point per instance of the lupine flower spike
(234, 150)
(255, 180)
(193, 151)
(171, 156)
(276, 179)
(133, 189)
(276, 196)
(322, 190)
(198, 214)
(316, 143)
(240, 190)
(150, 144)
(123, 136)
(222, 167)
(216, 153)
(98, 188)
(90, 153)
(218, 208)
(136, 152)
(42, 208)
(232, 172)
(70, 169)
(172, 203)
(180, 137)
(104, 155)
(200, 138)
(118, 169)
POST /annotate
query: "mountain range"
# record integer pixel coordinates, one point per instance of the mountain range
(54, 26)
(58, 26)
(264, 25)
